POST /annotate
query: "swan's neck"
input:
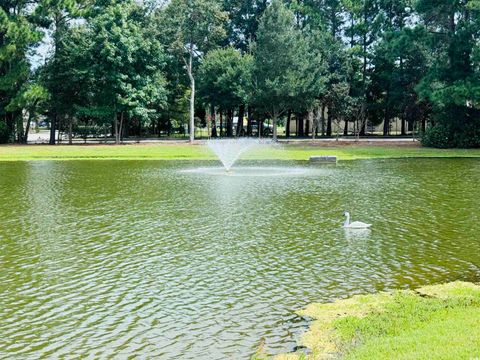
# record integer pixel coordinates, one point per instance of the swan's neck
(347, 221)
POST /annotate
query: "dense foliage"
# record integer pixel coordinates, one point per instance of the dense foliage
(118, 68)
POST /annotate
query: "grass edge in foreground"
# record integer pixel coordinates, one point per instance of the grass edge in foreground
(439, 321)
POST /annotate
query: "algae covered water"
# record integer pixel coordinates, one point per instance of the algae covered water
(157, 259)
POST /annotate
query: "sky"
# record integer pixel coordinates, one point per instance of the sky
(40, 53)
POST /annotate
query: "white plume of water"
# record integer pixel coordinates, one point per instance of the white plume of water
(229, 150)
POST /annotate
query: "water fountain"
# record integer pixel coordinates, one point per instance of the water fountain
(229, 150)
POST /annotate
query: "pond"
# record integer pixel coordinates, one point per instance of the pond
(157, 259)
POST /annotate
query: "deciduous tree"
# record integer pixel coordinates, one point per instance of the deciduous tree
(191, 28)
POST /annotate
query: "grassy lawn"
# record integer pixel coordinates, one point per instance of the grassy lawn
(433, 322)
(184, 151)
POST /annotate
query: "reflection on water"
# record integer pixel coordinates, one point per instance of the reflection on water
(352, 234)
(152, 259)
(253, 171)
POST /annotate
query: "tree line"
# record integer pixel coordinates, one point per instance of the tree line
(127, 68)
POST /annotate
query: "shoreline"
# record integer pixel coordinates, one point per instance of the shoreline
(174, 150)
(435, 321)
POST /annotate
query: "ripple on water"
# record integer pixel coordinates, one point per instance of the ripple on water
(148, 259)
(251, 171)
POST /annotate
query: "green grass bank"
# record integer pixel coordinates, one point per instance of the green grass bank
(184, 151)
(433, 322)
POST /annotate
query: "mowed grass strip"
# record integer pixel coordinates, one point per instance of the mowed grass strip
(185, 151)
(167, 151)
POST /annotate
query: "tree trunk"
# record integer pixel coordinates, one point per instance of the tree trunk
(323, 120)
(403, 106)
(361, 126)
(192, 95)
(329, 124)
(307, 125)
(287, 125)
(56, 48)
(19, 128)
(9, 120)
(229, 123)
(212, 120)
(402, 125)
(221, 123)
(70, 130)
(192, 111)
(318, 118)
(140, 130)
(209, 123)
(241, 114)
(275, 117)
(345, 128)
(363, 121)
(59, 127)
(314, 126)
(115, 126)
(249, 121)
(386, 124)
(300, 127)
(24, 139)
(386, 119)
(53, 123)
(120, 130)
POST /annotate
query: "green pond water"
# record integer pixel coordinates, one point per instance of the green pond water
(111, 259)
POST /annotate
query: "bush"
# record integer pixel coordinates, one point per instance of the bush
(469, 137)
(437, 136)
(455, 126)
(84, 131)
(442, 136)
(4, 133)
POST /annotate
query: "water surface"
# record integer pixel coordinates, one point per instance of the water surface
(110, 259)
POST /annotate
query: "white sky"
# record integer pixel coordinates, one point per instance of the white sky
(40, 54)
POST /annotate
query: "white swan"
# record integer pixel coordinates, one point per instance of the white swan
(355, 224)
